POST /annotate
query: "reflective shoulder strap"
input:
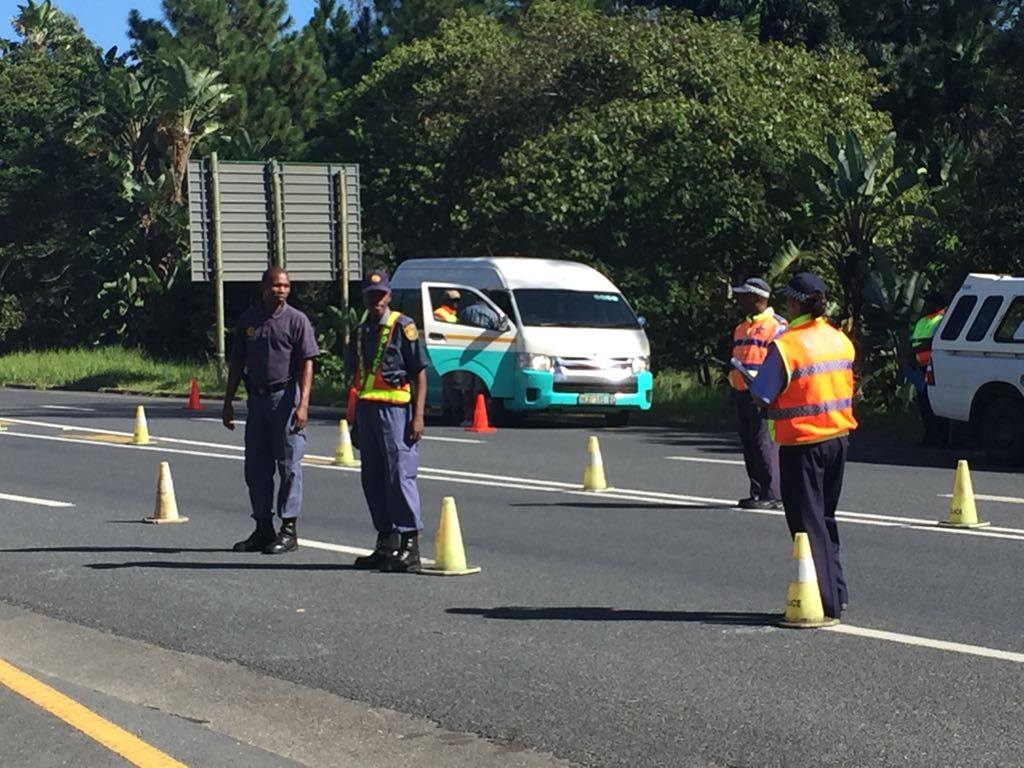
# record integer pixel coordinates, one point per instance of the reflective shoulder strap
(382, 343)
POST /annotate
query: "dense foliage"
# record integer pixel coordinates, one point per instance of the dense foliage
(678, 145)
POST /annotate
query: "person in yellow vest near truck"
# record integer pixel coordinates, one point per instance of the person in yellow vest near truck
(936, 430)
(389, 394)
(750, 340)
(806, 384)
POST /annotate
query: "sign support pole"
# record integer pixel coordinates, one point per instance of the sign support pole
(275, 188)
(343, 257)
(218, 264)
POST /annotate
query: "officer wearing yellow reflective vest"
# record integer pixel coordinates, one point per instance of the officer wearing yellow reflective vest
(936, 430)
(389, 391)
(806, 383)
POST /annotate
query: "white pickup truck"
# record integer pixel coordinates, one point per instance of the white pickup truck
(977, 368)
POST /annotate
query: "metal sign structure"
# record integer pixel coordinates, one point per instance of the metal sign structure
(305, 217)
(246, 216)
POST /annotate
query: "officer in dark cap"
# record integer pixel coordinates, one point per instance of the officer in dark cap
(390, 391)
(274, 348)
(806, 383)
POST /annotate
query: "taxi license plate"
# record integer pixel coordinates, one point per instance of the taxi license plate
(597, 398)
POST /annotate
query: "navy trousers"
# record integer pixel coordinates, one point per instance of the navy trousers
(812, 479)
(760, 452)
(269, 446)
(389, 465)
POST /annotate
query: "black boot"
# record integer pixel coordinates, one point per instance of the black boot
(386, 544)
(258, 539)
(286, 541)
(407, 558)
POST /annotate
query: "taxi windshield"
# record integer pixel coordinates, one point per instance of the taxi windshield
(573, 309)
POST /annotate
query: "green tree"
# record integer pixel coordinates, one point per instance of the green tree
(276, 75)
(659, 148)
(53, 193)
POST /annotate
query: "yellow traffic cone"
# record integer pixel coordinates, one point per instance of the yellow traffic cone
(449, 553)
(166, 509)
(593, 475)
(803, 601)
(343, 454)
(141, 427)
(962, 511)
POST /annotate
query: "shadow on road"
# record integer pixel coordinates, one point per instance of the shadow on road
(222, 566)
(587, 613)
(96, 550)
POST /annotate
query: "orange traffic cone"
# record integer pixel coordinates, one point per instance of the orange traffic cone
(193, 398)
(480, 423)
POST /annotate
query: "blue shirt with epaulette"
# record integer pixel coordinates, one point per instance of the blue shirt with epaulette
(405, 355)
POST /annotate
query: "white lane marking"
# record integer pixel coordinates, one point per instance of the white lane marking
(345, 549)
(704, 460)
(215, 421)
(927, 642)
(33, 500)
(463, 440)
(67, 408)
(554, 486)
(986, 497)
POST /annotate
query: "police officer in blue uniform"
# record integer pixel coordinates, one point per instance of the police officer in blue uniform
(273, 349)
(391, 387)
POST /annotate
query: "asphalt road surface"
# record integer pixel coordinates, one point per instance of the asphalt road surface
(630, 628)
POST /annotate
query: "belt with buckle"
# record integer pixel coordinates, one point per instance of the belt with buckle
(269, 389)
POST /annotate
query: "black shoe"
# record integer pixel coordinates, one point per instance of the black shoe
(287, 540)
(407, 558)
(258, 540)
(760, 504)
(386, 544)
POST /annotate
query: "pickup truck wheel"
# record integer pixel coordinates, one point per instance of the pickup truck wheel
(1002, 430)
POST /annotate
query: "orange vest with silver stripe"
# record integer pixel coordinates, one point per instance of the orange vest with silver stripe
(446, 314)
(817, 402)
(374, 387)
(750, 342)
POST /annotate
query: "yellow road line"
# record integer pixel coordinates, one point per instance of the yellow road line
(131, 748)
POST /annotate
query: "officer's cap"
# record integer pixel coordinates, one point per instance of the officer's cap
(754, 285)
(803, 285)
(377, 280)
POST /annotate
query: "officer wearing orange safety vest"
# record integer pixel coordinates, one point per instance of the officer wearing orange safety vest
(750, 341)
(386, 404)
(806, 384)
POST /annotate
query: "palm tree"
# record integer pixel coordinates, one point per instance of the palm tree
(191, 104)
(36, 23)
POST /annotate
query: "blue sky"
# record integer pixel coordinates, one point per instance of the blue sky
(106, 21)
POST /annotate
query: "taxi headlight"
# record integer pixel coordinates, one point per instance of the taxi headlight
(532, 362)
(641, 364)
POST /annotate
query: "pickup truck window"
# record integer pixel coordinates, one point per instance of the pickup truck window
(958, 317)
(986, 315)
(1011, 329)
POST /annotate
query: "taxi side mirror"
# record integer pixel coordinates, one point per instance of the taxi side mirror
(641, 321)
(505, 325)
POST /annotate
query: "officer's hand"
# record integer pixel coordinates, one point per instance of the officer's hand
(300, 419)
(416, 428)
(228, 415)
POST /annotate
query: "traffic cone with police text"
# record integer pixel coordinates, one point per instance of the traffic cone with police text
(166, 509)
(803, 601)
(449, 552)
(593, 475)
(480, 423)
(141, 436)
(343, 454)
(962, 511)
(193, 398)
